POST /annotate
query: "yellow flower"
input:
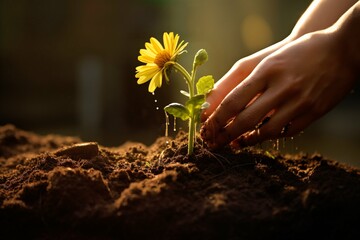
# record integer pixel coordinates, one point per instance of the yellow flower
(156, 56)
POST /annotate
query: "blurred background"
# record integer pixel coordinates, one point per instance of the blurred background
(67, 66)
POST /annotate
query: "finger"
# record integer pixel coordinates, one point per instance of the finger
(251, 117)
(222, 87)
(232, 104)
(213, 130)
(277, 123)
(277, 127)
(214, 98)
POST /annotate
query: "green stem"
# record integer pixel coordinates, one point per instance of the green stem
(186, 75)
(193, 74)
(192, 124)
(191, 138)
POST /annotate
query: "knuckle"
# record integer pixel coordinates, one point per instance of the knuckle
(273, 65)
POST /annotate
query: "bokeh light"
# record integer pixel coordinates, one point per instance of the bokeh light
(256, 32)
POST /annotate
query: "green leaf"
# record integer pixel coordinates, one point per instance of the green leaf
(205, 84)
(195, 102)
(184, 93)
(194, 106)
(178, 110)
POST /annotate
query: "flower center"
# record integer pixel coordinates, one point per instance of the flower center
(162, 58)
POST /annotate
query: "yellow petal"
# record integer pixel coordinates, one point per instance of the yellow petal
(157, 45)
(146, 71)
(167, 42)
(181, 47)
(150, 48)
(152, 86)
(146, 52)
(175, 43)
(158, 79)
(146, 67)
(146, 59)
(143, 79)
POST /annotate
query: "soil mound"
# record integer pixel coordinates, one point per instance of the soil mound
(56, 187)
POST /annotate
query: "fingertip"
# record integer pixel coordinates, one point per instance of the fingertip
(207, 140)
(205, 134)
(210, 136)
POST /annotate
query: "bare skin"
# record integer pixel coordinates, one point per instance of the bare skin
(289, 84)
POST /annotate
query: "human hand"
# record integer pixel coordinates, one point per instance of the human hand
(290, 89)
(237, 74)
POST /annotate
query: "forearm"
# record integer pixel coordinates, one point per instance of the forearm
(320, 14)
(347, 29)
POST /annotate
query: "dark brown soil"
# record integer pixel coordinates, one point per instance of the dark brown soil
(52, 187)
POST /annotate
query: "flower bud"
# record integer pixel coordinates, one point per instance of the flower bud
(201, 57)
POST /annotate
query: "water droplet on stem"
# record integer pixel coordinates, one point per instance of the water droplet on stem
(174, 124)
(166, 124)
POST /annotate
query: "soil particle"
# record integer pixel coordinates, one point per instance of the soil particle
(57, 187)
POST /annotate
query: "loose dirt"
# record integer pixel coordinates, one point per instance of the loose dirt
(57, 187)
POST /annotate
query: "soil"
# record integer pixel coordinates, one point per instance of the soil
(58, 187)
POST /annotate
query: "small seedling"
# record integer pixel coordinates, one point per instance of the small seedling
(159, 60)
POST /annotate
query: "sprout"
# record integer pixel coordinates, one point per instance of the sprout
(158, 60)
